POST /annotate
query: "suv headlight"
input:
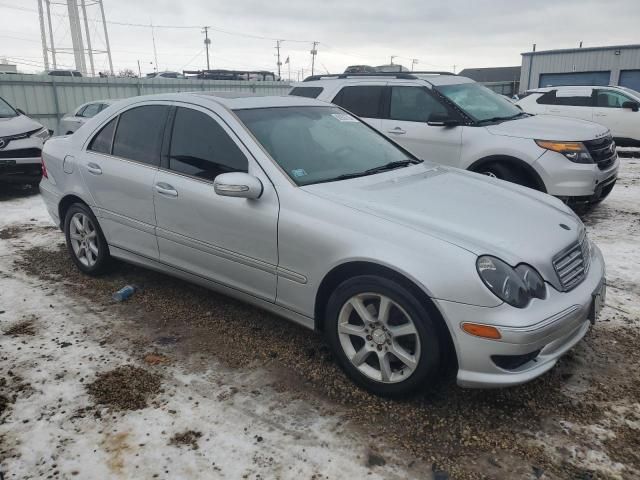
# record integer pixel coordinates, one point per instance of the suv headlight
(43, 134)
(515, 286)
(574, 151)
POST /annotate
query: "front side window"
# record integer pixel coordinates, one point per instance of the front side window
(414, 104)
(364, 101)
(320, 144)
(103, 141)
(611, 99)
(6, 110)
(139, 134)
(201, 148)
(480, 103)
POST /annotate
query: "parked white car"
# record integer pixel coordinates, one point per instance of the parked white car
(21, 140)
(74, 120)
(456, 121)
(617, 108)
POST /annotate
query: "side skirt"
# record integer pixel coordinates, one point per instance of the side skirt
(152, 264)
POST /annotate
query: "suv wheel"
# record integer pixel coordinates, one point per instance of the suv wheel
(382, 336)
(498, 170)
(85, 240)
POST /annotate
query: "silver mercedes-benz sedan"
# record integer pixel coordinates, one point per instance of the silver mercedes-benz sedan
(409, 268)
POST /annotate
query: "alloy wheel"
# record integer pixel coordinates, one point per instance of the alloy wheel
(378, 337)
(84, 239)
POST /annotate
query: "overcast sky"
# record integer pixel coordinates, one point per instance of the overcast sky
(440, 34)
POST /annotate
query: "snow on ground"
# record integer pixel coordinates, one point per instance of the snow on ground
(49, 432)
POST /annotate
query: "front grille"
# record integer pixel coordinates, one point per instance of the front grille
(572, 264)
(603, 151)
(21, 153)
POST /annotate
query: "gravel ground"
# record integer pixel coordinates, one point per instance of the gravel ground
(579, 421)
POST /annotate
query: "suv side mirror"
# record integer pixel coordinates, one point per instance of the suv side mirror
(238, 184)
(633, 106)
(442, 120)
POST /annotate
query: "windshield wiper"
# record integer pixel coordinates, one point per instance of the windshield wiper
(497, 119)
(372, 171)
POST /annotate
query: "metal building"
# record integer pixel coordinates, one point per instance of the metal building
(616, 65)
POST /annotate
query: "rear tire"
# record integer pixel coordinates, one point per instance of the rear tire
(382, 336)
(85, 241)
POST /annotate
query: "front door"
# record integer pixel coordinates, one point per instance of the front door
(119, 169)
(623, 122)
(232, 241)
(410, 108)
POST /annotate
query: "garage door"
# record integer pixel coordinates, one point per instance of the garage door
(630, 79)
(574, 78)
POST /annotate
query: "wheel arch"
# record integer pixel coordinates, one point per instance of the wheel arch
(66, 202)
(528, 170)
(347, 270)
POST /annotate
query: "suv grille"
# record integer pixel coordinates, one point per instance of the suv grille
(603, 151)
(572, 264)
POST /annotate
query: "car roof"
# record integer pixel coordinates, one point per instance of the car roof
(433, 78)
(233, 100)
(563, 87)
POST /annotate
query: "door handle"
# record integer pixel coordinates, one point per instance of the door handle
(398, 131)
(553, 110)
(166, 189)
(94, 168)
(599, 114)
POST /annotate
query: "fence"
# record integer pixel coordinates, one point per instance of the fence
(47, 98)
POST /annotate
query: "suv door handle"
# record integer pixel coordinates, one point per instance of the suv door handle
(599, 114)
(398, 131)
(94, 168)
(166, 189)
(555, 110)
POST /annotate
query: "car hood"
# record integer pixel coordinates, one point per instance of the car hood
(17, 125)
(547, 127)
(476, 213)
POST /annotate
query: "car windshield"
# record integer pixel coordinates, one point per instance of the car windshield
(6, 110)
(480, 103)
(322, 144)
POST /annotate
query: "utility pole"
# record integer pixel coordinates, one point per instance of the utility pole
(314, 52)
(155, 52)
(454, 68)
(279, 63)
(207, 42)
(139, 70)
(413, 63)
(392, 57)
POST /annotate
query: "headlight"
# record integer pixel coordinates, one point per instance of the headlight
(42, 134)
(513, 286)
(574, 151)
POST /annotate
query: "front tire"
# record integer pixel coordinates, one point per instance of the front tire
(85, 241)
(382, 335)
(503, 172)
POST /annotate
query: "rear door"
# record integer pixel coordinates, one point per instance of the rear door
(363, 100)
(623, 122)
(410, 107)
(574, 102)
(232, 241)
(119, 168)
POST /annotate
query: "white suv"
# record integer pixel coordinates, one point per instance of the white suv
(456, 121)
(617, 108)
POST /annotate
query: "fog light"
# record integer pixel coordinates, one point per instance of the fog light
(484, 331)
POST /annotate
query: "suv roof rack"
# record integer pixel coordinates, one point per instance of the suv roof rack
(400, 75)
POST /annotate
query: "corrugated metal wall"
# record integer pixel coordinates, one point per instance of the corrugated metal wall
(578, 60)
(47, 98)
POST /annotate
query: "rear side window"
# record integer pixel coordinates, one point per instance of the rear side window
(551, 98)
(201, 148)
(139, 134)
(364, 101)
(102, 142)
(90, 110)
(308, 92)
(414, 104)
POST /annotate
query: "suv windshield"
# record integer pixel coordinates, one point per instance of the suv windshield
(6, 110)
(480, 103)
(322, 144)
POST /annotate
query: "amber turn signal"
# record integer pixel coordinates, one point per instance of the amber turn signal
(484, 331)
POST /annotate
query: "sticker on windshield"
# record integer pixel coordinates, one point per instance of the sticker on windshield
(343, 117)
(299, 172)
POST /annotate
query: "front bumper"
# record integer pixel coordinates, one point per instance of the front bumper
(20, 161)
(574, 182)
(546, 329)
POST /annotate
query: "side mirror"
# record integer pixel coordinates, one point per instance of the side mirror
(238, 184)
(633, 106)
(440, 120)
(20, 112)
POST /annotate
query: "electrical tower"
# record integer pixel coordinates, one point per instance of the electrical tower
(77, 12)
